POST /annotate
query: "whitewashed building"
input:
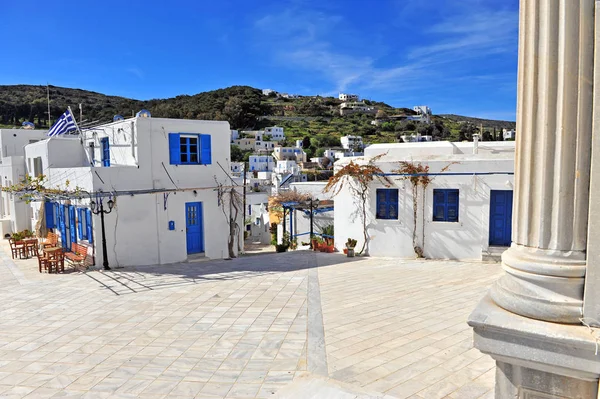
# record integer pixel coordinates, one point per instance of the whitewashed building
(15, 214)
(276, 133)
(289, 153)
(463, 213)
(509, 134)
(423, 114)
(162, 176)
(237, 168)
(261, 163)
(347, 97)
(352, 143)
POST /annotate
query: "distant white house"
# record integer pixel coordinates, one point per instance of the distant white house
(275, 132)
(353, 107)
(352, 142)
(267, 92)
(509, 134)
(235, 135)
(261, 163)
(237, 167)
(463, 212)
(245, 144)
(289, 153)
(348, 97)
(16, 214)
(416, 138)
(160, 175)
(423, 114)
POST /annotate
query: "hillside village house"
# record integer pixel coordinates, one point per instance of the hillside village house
(464, 213)
(353, 143)
(161, 175)
(15, 213)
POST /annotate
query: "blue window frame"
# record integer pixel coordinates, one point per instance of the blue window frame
(445, 205)
(81, 224)
(88, 225)
(105, 146)
(190, 149)
(387, 203)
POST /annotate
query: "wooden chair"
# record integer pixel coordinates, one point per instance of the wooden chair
(43, 263)
(31, 247)
(77, 255)
(51, 240)
(57, 262)
(17, 248)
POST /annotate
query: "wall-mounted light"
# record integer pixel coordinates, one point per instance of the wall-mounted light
(195, 193)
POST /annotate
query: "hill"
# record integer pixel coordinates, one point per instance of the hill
(313, 118)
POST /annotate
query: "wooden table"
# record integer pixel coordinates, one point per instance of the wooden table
(54, 259)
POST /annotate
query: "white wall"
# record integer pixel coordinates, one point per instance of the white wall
(137, 228)
(465, 239)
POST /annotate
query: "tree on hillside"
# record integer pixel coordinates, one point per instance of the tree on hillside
(306, 142)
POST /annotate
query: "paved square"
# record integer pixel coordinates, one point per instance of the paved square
(242, 328)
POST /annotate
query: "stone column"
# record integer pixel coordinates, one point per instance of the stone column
(545, 266)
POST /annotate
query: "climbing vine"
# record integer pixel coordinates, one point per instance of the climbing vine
(230, 202)
(418, 175)
(358, 178)
(34, 189)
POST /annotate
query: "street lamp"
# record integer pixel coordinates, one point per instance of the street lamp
(100, 211)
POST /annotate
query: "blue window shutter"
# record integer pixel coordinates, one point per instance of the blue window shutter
(72, 228)
(393, 204)
(205, 154)
(88, 225)
(174, 152)
(452, 206)
(80, 223)
(105, 151)
(49, 210)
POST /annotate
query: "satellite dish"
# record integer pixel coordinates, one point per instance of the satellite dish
(27, 125)
(143, 114)
(118, 118)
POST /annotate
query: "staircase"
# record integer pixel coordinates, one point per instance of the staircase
(493, 254)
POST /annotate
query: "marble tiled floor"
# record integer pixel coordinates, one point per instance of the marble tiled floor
(239, 328)
(399, 327)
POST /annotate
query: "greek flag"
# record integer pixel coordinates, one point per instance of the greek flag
(63, 125)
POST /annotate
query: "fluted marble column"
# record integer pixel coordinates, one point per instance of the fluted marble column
(545, 266)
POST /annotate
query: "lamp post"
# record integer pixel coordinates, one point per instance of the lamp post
(100, 211)
(312, 207)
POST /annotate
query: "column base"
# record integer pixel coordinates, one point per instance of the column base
(542, 284)
(536, 359)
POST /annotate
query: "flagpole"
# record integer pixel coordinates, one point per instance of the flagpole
(80, 135)
(48, 93)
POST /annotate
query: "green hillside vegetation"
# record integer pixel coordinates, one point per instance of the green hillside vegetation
(313, 119)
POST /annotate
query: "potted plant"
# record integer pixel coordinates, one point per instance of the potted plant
(328, 231)
(350, 245)
(285, 243)
(318, 243)
(294, 243)
(17, 237)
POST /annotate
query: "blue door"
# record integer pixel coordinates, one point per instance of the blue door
(501, 217)
(194, 227)
(72, 227)
(62, 226)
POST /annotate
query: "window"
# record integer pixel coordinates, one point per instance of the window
(189, 149)
(88, 225)
(445, 205)
(387, 203)
(105, 146)
(37, 166)
(81, 224)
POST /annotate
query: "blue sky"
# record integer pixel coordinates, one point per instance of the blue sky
(457, 56)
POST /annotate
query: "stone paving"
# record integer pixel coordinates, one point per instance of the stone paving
(242, 328)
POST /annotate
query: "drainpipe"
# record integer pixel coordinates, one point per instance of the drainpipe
(475, 143)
